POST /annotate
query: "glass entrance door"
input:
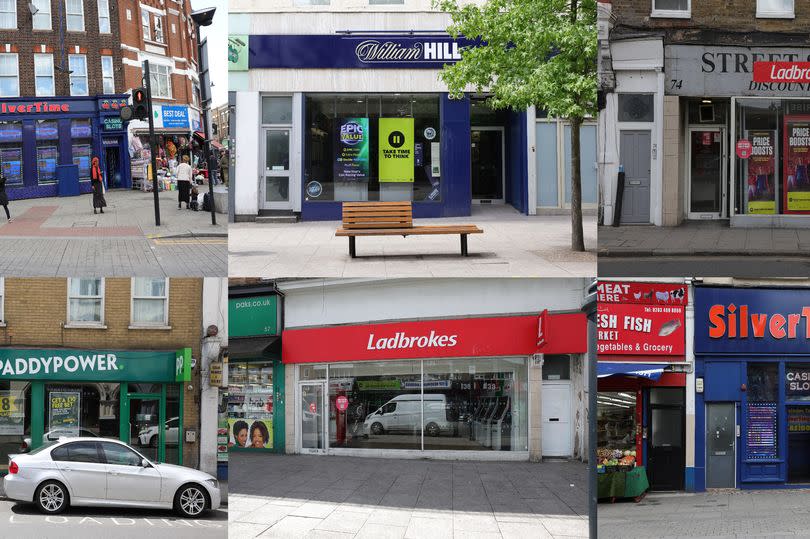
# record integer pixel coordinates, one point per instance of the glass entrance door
(145, 419)
(275, 182)
(706, 173)
(488, 173)
(312, 417)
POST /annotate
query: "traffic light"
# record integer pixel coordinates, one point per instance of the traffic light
(140, 109)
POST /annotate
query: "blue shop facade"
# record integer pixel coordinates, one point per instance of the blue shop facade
(41, 137)
(752, 387)
(362, 116)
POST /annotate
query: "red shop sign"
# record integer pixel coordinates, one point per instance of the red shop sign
(781, 72)
(342, 403)
(643, 293)
(463, 337)
(744, 148)
(640, 330)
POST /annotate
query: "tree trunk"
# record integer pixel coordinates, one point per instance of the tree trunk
(577, 240)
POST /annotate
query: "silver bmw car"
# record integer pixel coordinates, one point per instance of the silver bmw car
(105, 472)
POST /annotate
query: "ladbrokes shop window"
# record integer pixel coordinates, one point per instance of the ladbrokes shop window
(772, 156)
(372, 147)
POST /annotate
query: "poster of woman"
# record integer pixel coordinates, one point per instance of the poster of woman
(250, 433)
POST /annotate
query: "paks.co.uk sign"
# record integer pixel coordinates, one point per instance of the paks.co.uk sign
(355, 51)
(752, 320)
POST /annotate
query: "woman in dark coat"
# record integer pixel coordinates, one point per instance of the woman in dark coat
(97, 181)
(4, 196)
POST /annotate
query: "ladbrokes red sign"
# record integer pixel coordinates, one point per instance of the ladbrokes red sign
(463, 337)
(781, 72)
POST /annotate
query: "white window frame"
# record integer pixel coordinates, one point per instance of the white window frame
(44, 8)
(146, 28)
(672, 13)
(86, 80)
(37, 75)
(155, 70)
(68, 14)
(158, 24)
(144, 325)
(105, 75)
(83, 324)
(14, 10)
(17, 61)
(763, 14)
(105, 14)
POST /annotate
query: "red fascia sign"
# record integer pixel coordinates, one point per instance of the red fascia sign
(462, 337)
(40, 107)
(781, 72)
(641, 293)
(640, 330)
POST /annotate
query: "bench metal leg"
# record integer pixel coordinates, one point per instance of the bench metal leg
(463, 244)
(352, 251)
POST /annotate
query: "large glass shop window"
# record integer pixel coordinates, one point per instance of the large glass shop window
(616, 427)
(775, 178)
(11, 152)
(47, 150)
(762, 395)
(372, 147)
(90, 409)
(15, 419)
(82, 139)
(250, 405)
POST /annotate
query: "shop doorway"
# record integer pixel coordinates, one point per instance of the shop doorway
(312, 414)
(556, 416)
(274, 190)
(798, 444)
(112, 162)
(707, 175)
(144, 425)
(635, 157)
(488, 171)
(721, 445)
(665, 439)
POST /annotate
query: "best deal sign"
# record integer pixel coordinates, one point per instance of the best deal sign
(640, 319)
(462, 337)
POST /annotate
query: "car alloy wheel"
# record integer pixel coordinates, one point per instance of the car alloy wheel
(432, 429)
(51, 498)
(191, 501)
(377, 428)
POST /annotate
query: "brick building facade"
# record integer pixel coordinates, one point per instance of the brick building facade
(36, 313)
(680, 97)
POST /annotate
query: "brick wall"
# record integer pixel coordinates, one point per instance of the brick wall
(25, 42)
(35, 310)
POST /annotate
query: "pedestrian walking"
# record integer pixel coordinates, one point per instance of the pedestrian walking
(4, 195)
(97, 183)
(183, 182)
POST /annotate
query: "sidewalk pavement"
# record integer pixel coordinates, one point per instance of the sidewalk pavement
(62, 237)
(512, 244)
(362, 497)
(702, 238)
(717, 514)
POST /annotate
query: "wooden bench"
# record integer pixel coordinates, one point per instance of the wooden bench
(392, 219)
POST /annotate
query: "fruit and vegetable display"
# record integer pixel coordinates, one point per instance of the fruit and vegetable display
(607, 457)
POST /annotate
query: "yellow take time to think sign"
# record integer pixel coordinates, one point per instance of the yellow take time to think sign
(396, 154)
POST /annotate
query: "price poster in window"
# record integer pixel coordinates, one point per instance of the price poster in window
(761, 167)
(797, 162)
(761, 436)
(63, 410)
(12, 413)
(352, 147)
(396, 153)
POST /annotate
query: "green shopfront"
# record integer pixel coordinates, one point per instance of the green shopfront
(255, 401)
(134, 396)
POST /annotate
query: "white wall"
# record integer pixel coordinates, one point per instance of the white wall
(275, 6)
(248, 153)
(215, 312)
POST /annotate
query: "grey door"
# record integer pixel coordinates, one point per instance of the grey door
(635, 156)
(721, 437)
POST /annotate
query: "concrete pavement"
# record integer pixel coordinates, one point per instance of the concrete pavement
(350, 497)
(62, 237)
(512, 245)
(720, 514)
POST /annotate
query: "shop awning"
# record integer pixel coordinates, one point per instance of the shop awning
(639, 370)
(255, 348)
(216, 144)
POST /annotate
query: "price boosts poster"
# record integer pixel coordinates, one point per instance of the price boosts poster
(761, 173)
(351, 163)
(12, 413)
(396, 153)
(797, 162)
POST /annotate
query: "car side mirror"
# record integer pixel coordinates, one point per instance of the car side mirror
(145, 463)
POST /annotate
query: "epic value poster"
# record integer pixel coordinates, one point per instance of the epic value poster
(761, 173)
(351, 162)
(797, 162)
(396, 152)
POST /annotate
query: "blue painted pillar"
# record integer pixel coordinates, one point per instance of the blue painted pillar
(456, 185)
(29, 153)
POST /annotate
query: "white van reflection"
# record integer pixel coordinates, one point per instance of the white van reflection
(403, 413)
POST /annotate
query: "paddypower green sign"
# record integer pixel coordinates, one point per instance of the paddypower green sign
(94, 365)
(396, 150)
(253, 316)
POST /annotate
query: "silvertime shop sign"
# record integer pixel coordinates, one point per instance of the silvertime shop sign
(719, 71)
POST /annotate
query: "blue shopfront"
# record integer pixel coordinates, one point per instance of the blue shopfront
(39, 136)
(752, 387)
(416, 144)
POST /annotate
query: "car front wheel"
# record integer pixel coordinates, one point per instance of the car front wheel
(51, 498)
(191, 501)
